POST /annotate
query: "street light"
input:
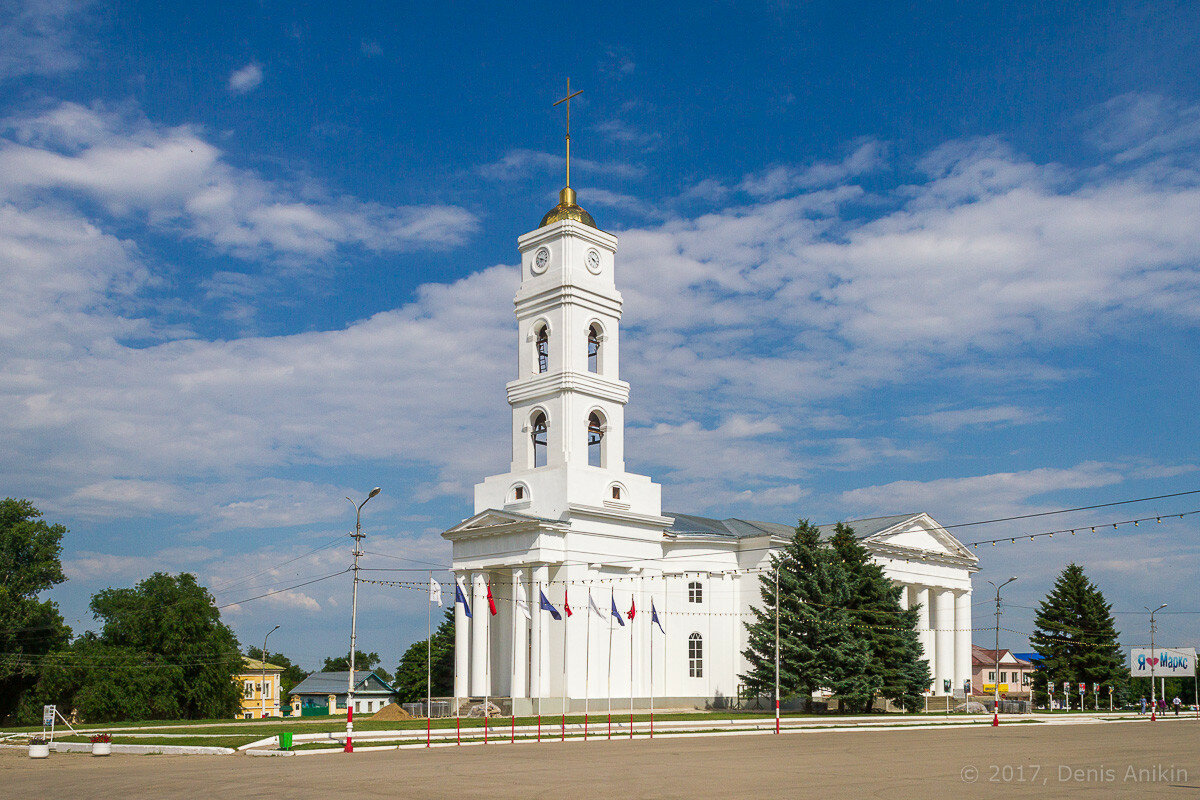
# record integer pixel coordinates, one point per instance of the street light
(1153, 703)
(358, 537)
(996, 675)
(262, 687)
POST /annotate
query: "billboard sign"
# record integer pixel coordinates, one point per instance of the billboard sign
(1165, 662)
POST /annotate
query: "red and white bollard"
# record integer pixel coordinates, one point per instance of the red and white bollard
(349, 748)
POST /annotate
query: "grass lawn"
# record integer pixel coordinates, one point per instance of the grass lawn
(251, 730)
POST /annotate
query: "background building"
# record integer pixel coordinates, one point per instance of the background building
(260, 689)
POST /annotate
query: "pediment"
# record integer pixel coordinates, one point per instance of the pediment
(921, 535)
(498, 520)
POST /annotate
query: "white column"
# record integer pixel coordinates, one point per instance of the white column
(924, 617)
(943, 616)
(540, 657)
(462, 650)
(904, 596)
(962, 639)
(520, 641)
(479, 633)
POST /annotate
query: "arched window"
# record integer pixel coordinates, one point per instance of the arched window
(539, 432)
(543, 348)
(695, 656)
(593, 344)
(595, 440)
(695, 592)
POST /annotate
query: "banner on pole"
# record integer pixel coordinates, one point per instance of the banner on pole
(1166, 662)
(48, 716)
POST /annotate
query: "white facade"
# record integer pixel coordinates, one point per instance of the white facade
(567, 519)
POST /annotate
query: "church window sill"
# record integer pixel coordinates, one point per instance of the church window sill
(517, 504)
(616, 504)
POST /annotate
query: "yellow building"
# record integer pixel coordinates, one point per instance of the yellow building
(260, 689)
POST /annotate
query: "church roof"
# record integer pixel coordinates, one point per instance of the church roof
(692, 525)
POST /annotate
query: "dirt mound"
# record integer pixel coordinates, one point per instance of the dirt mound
(392, 712)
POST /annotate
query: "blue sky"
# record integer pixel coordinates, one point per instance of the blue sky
(260, 256)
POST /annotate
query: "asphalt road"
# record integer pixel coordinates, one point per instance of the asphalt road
(1081, 760)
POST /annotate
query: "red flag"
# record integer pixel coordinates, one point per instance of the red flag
(567, 603)
(491, 602)
(632, 608)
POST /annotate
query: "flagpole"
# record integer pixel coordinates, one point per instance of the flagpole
(612, 593)
(566, 616)
(652, 609)
(587, 657)
(429, 664)
(632, 641)
(487, 663)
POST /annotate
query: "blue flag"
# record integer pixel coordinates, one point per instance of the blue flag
(459, 597)
(548, 606)
(617, 614)
(654, 620)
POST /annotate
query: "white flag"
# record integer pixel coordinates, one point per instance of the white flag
(595, 608)
(523, 601)
(435, 592)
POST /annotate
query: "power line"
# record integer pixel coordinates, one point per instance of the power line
(286, 588)
(1069, 510)
(1158, 518)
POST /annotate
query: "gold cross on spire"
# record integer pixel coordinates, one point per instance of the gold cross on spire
(567, 100)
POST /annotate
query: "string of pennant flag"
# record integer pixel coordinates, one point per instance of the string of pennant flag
(545, 604)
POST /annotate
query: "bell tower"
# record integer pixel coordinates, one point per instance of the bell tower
(568, 401)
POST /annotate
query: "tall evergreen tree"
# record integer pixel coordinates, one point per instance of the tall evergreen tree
(886, 631)
(410, 674)
(813, 648)
(1077, 638)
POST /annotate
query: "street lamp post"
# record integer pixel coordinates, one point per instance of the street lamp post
(358, 537)
(262, 687)
(1153, 702)
(996, 675)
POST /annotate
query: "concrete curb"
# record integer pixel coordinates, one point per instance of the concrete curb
(135, 749)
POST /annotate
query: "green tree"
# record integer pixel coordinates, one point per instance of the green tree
(162, 653)
(30, 551)
(292, 673)
(1077, 638)
(894, 666)
(363, 662)
(410, 674)
(814, 650)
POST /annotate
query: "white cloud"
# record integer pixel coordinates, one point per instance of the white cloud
(980, 496)
(784, 179)
(39, 37)
(523, 163)
(744, 329)
(952, 419)
(173, 178)
(246, 79)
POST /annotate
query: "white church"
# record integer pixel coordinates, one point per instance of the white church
(567, 521)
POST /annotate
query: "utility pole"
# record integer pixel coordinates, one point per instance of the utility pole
(996, 675)
(358, 537)
(1153, 703)
(262, 687)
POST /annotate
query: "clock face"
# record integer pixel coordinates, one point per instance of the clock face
(593, 261)
(540, 259)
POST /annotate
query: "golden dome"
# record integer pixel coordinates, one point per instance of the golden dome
(567, 208)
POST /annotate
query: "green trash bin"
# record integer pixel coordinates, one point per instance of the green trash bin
(285, 741)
